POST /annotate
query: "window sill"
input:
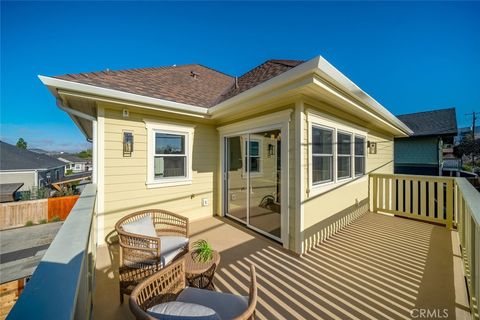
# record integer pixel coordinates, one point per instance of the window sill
(168, 183)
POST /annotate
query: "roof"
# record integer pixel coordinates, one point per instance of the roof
(192, 84)
(431, 123)
(7, 191)
(13, 158)
(71, 158)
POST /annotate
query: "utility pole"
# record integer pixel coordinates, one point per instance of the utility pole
(474, 120)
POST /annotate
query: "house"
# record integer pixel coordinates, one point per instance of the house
(27, 167)
(422, 152)
(75, 164)
(274, 149)
(291, 150)
(467, 131)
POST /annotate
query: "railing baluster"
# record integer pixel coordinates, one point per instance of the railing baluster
(401, 199)
(440, 203)
(408, 202)
(415, 197)
(423, 198)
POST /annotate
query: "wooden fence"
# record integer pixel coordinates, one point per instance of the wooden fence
(17, 214)
(60, 207)
(425, 198)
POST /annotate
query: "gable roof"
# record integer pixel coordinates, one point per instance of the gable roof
(191, 84)
(13, 158)
(431, 123)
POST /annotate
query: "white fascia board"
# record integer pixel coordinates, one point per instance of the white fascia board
(329, 72)
(98, 91)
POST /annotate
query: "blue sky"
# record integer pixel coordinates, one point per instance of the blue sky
(409, 56)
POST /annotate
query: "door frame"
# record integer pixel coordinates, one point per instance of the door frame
(280, 121)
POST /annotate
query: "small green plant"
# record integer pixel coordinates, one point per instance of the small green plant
(55, 219)
(29, 223)
(203, 251)
(42, 221)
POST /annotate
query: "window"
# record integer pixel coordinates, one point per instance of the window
(359, 156)
(344, 155)
(169, 154)
(254, 154)
(322, 155)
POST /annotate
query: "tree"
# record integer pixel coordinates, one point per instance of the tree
(22, 144)
(467, 147)
(85, 154)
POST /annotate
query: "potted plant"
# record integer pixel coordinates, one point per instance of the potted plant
(202, 251)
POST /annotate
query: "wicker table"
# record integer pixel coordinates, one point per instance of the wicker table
(200, 274)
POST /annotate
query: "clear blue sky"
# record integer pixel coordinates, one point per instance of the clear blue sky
(409, 56)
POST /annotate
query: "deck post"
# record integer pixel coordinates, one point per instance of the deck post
(374, 194)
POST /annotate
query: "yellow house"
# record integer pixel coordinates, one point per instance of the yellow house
(285, 149)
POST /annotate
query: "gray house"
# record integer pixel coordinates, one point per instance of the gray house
(27, 167)
(421, 153)
(74, 163)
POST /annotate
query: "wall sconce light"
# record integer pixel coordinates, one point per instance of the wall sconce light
(271, 150)
(372, 147)
(127, 143)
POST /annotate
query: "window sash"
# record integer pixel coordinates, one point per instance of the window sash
(160, 173)
(330, 171)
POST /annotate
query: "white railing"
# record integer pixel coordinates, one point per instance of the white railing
(62, 285)
(453, 202)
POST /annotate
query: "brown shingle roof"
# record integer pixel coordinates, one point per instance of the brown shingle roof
(192, 84)
(266, 71)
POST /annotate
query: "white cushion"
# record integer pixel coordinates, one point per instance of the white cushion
(182, 311)
(170, 247)
(143, 226)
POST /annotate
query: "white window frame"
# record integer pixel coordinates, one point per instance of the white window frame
(333, 166)
(246, 154)
(364, 156)
(351, 155)
(318, 119)
(187, 131)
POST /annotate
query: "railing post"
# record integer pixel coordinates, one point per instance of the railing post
(449, 201)
(374, 196)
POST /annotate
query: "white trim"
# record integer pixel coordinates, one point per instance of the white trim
(186, 130)
(95, 152)
(319, 119)
(278, 120)
(246, 154)
(299, 176)
(101, 175)
(75, 86)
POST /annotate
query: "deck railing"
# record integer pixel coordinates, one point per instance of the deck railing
(452, 202)
(62, 285)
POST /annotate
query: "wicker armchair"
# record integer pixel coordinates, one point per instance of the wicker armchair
(140, 256)
(168, 284)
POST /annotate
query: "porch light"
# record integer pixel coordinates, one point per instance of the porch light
(271, 150)
(127, 143)
(372, 147)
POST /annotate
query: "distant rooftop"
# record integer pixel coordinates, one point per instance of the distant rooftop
(72, 158)
(13, 158)
(431, 123)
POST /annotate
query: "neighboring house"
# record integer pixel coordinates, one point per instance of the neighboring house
(462, 132)
(27, 167)
(422, 152)
(284, 149)
(74, 163)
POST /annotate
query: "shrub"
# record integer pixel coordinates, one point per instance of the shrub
(43, 221)
(29, 223)
(55, 219)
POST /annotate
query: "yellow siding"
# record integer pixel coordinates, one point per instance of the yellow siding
(125, 177)
(328, 212)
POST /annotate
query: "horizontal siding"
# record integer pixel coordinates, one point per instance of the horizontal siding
(125, 189)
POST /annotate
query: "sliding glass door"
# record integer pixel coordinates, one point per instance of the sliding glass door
(252, 181)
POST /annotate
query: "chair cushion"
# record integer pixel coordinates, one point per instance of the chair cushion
(143, 226)
(182, 311)
(170, 247)
(226, 305)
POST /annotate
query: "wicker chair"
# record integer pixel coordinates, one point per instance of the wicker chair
(167, 285)
(140, 255)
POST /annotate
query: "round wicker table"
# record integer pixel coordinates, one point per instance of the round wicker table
(200, 274)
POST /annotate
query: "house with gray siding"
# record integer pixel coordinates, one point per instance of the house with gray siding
(27, 167)
(422, 152)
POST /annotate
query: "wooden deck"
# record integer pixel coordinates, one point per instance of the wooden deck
(379, 267)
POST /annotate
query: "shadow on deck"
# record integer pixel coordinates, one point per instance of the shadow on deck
(379, 267)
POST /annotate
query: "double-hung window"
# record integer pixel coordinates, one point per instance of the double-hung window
(322, 155)
(254, 155)
(170, 155)
(344, 155)
(359, 156)
(169, 160)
